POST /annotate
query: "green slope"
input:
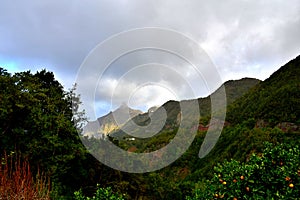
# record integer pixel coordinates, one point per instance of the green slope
(277, 99)
(274, 100)
(234, 89)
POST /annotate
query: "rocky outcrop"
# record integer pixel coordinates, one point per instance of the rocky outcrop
(110, 122)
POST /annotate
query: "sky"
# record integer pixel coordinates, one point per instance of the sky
(159, 50)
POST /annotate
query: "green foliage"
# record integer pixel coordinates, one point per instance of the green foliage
(274, 100)
(273, 175)
(37, 121)
(101, 194)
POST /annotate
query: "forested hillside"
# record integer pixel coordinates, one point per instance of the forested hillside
(275, 100)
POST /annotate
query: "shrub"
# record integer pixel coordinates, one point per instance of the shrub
(101, 194)
(273, 175)
(17, 181)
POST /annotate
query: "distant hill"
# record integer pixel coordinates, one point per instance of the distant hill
(234, 89)
(110, 122)
(275, 100)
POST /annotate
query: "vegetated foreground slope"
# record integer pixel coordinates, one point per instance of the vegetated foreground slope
(269, 112)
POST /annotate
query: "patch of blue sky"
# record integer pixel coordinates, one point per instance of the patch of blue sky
(10, 65)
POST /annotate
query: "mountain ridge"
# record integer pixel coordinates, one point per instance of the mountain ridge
(277, 99)
(234, 88)
(110, 122)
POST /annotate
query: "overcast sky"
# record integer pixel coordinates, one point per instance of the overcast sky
(242, 38)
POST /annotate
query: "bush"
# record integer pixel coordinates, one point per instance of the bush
(101, 194)
(273, 175)
(17, 181)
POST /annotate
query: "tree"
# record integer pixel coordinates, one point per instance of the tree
(37, 121)
(273, 175)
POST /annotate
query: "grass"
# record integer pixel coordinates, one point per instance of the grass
(18, 182)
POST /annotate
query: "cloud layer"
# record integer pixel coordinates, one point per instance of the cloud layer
(242, 38)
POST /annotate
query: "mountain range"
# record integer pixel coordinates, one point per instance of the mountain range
(107, 124)
(274, 100)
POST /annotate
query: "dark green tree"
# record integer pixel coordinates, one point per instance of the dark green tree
(37, 120)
